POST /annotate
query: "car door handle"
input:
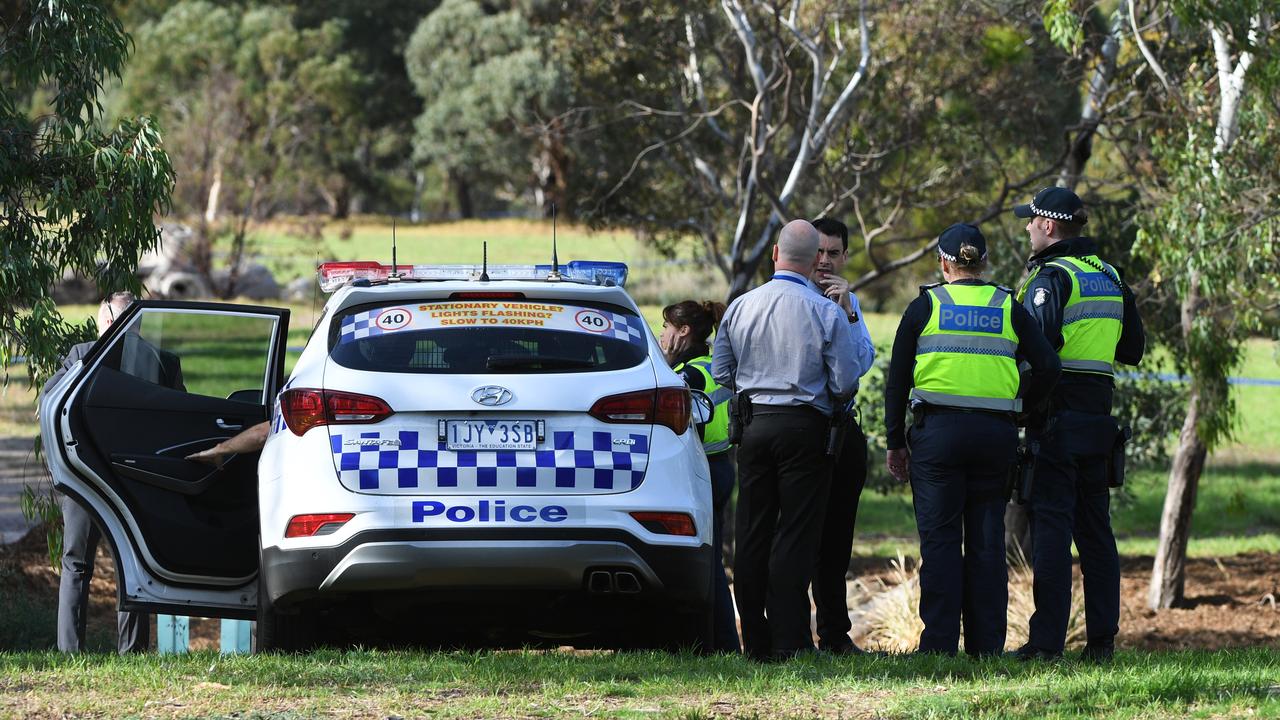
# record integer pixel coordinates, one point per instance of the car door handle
(226, 425)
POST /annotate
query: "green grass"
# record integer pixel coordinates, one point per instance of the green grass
(536, 684)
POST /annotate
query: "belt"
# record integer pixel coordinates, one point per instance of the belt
(927, 409)
(758, 409)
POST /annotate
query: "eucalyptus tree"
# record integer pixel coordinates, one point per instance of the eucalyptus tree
(77, 195)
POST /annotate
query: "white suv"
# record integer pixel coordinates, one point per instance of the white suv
(507, 456)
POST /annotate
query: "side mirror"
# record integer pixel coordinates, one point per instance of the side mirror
(703, 408)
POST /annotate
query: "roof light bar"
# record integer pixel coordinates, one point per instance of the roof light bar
(334, 275)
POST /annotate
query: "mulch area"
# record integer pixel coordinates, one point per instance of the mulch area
(1231, 602)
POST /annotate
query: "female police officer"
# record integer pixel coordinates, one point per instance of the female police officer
(956, 353)
(685, 328)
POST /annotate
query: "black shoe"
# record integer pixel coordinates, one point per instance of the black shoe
(1028, 652)
(844, 649)
(1098, 653)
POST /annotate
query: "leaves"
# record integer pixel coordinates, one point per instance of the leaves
(75, 197)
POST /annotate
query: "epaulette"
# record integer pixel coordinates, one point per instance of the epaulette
(926, 288)
(1002, 287)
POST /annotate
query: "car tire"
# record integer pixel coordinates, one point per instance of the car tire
(279, 631)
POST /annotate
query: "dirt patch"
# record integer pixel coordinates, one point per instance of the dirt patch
(25, 573)
(1232, 602)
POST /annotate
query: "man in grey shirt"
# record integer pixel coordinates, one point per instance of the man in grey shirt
(792, 352)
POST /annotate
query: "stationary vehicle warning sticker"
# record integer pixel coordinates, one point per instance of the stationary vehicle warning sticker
(492, 313)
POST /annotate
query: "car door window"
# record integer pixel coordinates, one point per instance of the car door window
(214, 355)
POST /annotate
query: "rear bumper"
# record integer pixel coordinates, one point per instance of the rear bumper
(551, 559)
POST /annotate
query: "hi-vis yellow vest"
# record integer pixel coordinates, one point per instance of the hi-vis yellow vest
(1093, 317)
(965, 356)
(715, 434)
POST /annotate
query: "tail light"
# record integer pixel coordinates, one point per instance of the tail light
(316, 525)
(305, 408)
(666, 523)
(667, 406)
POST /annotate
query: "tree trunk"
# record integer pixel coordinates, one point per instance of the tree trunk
(1091, 115)
(1168, 575)
(1017, 532)
(462, 195)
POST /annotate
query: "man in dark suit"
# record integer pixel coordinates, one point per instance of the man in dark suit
(79, 535)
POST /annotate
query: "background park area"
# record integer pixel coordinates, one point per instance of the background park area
(1217, 653)
(218, 150)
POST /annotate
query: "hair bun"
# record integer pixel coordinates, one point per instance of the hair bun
(969, 254)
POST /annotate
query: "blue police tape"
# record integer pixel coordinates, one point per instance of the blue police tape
(488, 511)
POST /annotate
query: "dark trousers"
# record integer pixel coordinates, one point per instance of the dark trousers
(1070, 500)
(829, 590)
(79, 545)
(783, 478)
(726, 625)
(959, 464)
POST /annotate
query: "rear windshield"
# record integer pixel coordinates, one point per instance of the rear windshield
(489, 336)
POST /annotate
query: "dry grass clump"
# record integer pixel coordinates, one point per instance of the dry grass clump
(890, 607)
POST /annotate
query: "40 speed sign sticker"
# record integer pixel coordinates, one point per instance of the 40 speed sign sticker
(593, 321)
(396, 318)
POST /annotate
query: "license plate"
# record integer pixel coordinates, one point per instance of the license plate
(491, 435)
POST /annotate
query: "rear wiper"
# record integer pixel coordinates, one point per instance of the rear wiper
(543, 362)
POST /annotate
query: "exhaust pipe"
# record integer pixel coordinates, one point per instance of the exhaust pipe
(599, 582)
(626, 582)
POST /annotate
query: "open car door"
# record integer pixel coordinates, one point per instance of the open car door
(169, 379)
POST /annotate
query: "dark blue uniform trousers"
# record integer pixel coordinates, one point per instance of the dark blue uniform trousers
(726, 625)
(959, 465)
(1070, 499)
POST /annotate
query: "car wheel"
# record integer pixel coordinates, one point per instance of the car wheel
(279, 631)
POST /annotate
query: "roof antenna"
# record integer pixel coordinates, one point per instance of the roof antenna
(484, 269)
(395, 268)
(555, 259)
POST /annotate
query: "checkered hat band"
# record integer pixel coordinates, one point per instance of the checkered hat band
(1051, 214)
(406, 462)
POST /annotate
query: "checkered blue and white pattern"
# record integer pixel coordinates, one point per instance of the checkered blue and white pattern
(407, 462)
(628, 327)
(359, 326)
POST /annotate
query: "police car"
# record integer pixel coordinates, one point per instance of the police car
(498, 449)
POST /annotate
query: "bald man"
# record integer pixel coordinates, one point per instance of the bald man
(791, 351)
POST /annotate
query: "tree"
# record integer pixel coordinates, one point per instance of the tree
(1214, 231)
(883, 115)
(486, 85)
(261, 112)
(75, 195)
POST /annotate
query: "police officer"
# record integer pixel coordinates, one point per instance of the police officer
(849, 474)
(791, 352)
(956, 354)
(1088, 314)
(686, 326)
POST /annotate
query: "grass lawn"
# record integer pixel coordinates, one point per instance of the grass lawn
(555, 684)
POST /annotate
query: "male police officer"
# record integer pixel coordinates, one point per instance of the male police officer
(849, 474)
(792, 353)
(1089, 315)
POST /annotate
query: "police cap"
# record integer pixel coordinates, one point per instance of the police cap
(952, 238)
(1055, 203)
